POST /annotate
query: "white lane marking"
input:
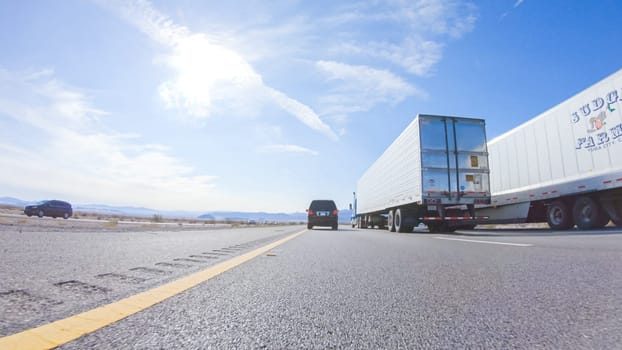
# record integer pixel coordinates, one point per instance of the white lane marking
(487, 242)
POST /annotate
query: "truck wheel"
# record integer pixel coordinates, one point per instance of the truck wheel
(401, 221)
(397, 218)
(391, 221)
(613, 208)
(558, 216)
(587, 213)
(603, 220)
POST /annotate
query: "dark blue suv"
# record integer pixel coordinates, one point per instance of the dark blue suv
(53, 208)
(322, 213)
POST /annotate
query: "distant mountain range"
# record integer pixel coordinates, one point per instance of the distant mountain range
(14, 201)
(344, 215)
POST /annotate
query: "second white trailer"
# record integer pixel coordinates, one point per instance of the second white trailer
(564, 166)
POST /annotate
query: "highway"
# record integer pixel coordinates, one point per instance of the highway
(350, 288)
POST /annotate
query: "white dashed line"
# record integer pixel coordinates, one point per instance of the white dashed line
(486, 242)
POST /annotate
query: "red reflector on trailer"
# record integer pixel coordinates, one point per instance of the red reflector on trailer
(441, 218)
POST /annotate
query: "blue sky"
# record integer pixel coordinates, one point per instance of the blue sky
(266, 105)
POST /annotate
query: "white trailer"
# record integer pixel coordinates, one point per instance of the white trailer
(564, 166)
(437, 163)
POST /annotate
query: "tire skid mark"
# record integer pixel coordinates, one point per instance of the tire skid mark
(25, 300)
(173, 265)
(189, 260)
(203, 257)
(81, 287)
(150, 270)
(121, 278)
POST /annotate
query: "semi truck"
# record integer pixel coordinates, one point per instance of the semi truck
(564, 166)
(434, 173)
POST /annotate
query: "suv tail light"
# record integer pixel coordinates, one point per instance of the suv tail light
(310, 212)
(335, 212)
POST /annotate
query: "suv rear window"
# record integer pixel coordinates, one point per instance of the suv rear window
(323, 205)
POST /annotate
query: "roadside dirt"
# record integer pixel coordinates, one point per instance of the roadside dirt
(14, 219)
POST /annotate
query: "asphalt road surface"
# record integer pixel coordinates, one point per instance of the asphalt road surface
(350, 288)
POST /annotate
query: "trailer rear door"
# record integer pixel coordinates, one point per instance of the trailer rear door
(454, 160)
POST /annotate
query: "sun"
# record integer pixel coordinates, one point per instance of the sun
(204, 70)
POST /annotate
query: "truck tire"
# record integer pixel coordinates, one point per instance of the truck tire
(402, 221)
(399, 223)
(558, 216)
(613, 207)
(391, 221)
(588, 214)
(603, 220)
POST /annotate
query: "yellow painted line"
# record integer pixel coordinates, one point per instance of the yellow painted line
(63, 331)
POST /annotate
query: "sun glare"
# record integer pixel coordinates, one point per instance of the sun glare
(202, 64)
(202, 67)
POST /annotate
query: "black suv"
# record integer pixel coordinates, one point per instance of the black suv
(51, 208)
(322, 213)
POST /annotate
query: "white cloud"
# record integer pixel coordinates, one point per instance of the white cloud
(516, 5)
(65, 151)
(447, 17)
(359, 88)
(208, 73)
(417, 56)
(414, 33)
(210, 77)
(302, 112)
(285, 148)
